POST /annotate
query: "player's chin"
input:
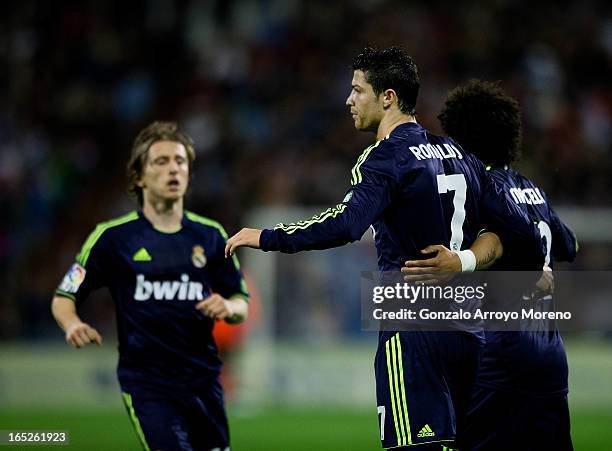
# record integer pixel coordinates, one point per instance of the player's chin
(360, 125)
(175, 193)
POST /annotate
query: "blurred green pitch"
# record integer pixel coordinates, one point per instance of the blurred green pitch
(269, 430)
(321, 428)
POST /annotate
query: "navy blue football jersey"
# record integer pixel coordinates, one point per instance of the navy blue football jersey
(534, 360)
(560, 242)
(155, 280)
(414, 189)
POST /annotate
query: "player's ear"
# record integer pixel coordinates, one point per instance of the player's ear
(389, 97)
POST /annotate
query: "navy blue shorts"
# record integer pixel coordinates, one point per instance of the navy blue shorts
(423, 385)
(500, 420)
(172, 421)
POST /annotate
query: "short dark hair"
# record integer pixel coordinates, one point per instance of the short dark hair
(390, 68)
(156, 131)
(485, 120)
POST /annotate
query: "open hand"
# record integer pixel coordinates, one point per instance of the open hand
(440, 268)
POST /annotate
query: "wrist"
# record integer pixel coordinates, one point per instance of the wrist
(230, 307)
(236, 310)
(264, 240)
(468, 260)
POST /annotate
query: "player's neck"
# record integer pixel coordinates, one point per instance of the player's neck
(165, 216)
(390, 121)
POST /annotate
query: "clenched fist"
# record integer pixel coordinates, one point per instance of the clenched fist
(233, 310)
(216, 307)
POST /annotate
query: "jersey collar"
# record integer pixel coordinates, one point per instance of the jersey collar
(144, 218)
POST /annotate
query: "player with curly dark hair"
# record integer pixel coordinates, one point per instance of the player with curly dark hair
(480, 113)
(520, 397)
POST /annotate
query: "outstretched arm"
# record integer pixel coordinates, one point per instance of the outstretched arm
(336, 226)
(373, 178)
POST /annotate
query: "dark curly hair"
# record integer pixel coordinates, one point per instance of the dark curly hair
(485, 120)
(390, 68)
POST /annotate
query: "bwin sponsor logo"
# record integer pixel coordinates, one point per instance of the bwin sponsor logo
(168, 290)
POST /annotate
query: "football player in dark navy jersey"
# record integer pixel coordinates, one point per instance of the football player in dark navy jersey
(413, 188)
(167, 274)
(520, 399)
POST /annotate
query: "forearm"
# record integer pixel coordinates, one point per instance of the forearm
(482, 254)
(279, 240)
(487, 249)
(64, 312)
(334, 227)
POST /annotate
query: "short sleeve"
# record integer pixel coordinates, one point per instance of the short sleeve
(88, 272)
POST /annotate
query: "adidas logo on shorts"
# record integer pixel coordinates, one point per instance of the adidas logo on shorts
(426, 432)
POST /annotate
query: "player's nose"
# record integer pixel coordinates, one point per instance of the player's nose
(173, 167)
(349, 100)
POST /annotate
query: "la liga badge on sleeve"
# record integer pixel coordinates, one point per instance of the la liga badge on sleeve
(73, 279)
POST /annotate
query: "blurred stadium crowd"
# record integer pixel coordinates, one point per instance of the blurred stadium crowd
(261, 86)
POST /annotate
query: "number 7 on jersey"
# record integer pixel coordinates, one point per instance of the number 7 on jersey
(456, 183)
